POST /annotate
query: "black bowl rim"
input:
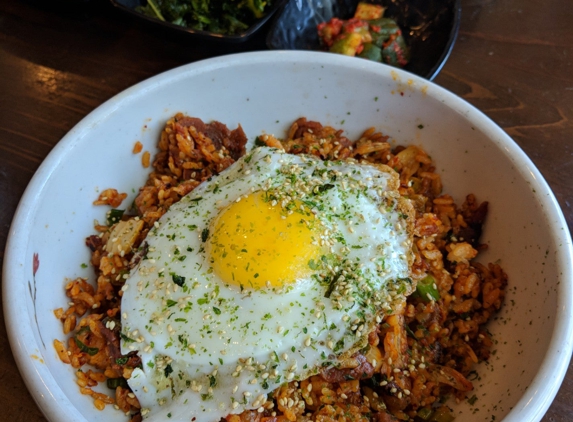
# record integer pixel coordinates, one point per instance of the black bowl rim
(440, 62)
(206, 35)
(450, 44)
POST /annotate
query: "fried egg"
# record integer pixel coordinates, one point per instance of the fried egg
(267, 273)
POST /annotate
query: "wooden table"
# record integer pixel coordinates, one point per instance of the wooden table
(61, 59)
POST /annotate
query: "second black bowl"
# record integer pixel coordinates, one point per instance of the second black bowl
(130, 7)
(430, 27)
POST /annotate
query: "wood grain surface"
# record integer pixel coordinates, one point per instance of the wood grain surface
(61, 59)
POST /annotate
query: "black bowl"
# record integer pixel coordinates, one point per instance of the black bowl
(129, 7)
(430, 27)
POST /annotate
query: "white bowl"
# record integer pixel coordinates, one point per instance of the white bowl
(265, 92)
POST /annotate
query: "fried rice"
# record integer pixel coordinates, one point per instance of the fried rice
(425, 351)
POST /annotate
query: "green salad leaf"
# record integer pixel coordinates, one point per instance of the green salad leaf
(226, 17)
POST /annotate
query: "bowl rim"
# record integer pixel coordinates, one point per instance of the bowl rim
(450, 44)
(55, 404)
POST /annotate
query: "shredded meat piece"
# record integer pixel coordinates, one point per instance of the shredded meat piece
(451, 377)
(138, 256)
(112, 339)
(94, 242)
(363, 370)
(383, 417)
(305, 126)
(114, 350)
(474, 216)
(136, 418)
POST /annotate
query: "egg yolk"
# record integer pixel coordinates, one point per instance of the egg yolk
(254, 244)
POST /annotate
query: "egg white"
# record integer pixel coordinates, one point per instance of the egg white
(210, 349)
